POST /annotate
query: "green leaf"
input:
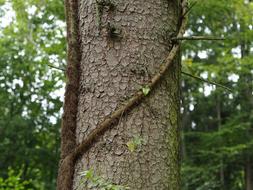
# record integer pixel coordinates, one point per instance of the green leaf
(146, 90)
(131, 146)
(88, 174)
(134, 143)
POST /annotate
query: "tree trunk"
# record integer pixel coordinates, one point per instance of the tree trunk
(249, 174)
(222, 169)
(247, 105)
(123, 44)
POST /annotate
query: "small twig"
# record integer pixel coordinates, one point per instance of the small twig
(197, 38)
(207, 81)
(190, 8)
(58, 68)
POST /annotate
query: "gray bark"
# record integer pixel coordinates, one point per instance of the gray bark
(112, 68)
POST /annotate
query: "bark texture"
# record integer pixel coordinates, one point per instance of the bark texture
(68, 126)
(122, 48)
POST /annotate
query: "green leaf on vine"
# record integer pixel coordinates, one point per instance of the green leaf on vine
(145, 90)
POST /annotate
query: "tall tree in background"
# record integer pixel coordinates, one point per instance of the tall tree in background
(115, 48)
(31, 37)
(218, 123)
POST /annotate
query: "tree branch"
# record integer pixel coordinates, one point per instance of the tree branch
(190, 8)
(197, 38)
(206, 81)
(58, 68)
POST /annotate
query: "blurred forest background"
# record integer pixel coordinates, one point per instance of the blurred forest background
(217, 124)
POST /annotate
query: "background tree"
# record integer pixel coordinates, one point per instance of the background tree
(31, 36)
(218, 123)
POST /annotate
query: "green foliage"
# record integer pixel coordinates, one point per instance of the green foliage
(99, 183)
(14, 182)
(218, 123)
(145, 90)
(33, 37)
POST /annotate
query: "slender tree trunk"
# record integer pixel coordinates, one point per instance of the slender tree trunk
(185, 121)
(222, 172)
(249, 174)
(123, 44)
(247, 106)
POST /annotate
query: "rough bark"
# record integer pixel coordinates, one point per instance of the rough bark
(122, 48)
(68, 126)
